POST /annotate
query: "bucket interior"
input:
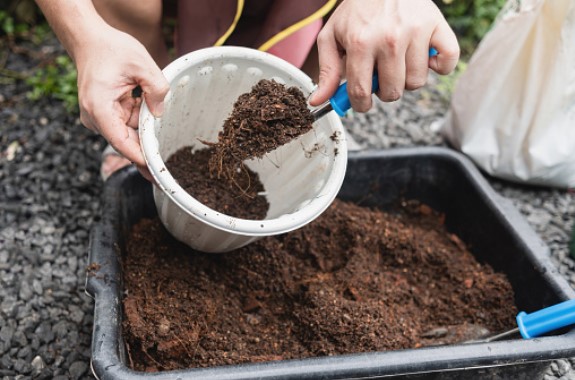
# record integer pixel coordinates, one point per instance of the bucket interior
(201, 98)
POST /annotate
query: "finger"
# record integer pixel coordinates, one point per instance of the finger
(133, 121)
(122, 138)
(391, 69)
(155, 87)
(129, 146)
(445, 42)
(132, 110)
(359, 69)
(87, 122)
(145, 172)
(417, 63)
(330, 67)
(143, 169)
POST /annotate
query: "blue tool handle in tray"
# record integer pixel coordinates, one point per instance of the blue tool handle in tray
(340, 100)
(545, 320)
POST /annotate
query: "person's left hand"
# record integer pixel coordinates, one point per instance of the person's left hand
(110, 65)
(392, 37)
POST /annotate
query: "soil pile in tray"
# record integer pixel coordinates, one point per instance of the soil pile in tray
(353, 280)
(240, 199)
(269, 116)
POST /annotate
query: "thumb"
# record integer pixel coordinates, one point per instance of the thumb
(155, 87)
(330, 70)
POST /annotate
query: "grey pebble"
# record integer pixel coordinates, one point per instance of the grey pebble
(562, 367)
(76, 314)
(44, 374)
(25, 293)
(9, 302)
(77, 369)
(38, 364)
(22, 367)
(37, 287)
(6, 334)
(24, 352)
(19, 339)
(6, 362)
(44, 332)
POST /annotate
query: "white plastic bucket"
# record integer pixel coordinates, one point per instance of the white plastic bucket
(301, 178)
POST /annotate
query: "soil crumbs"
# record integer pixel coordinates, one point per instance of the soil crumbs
(267, 117)
(354, 280)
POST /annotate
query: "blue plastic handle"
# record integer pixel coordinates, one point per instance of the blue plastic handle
(545, 320)
(340, 100)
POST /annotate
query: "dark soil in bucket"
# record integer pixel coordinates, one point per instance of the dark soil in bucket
(269, 116)
(354, 280)
(241, 198)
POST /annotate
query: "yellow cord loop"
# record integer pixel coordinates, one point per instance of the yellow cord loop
(239, 11)
(297, 26)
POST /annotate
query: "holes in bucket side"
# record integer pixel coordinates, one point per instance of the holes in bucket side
(229, 68)
(279, 80)
(254, 72)
(184, 81)
(206, 70)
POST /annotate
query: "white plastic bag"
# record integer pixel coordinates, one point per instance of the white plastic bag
(513, 109)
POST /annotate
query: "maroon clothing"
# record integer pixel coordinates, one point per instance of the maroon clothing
(203, 22)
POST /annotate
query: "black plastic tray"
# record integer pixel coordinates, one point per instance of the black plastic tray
(445, 180)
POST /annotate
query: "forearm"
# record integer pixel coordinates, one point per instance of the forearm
(73, 21)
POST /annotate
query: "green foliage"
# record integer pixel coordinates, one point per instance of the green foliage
(7, 24)
(22, 21)
(470, 19)
(20, 18)
(57, 80)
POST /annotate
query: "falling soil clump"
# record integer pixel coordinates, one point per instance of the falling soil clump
(241, 198)
(353, 280)
(267, 117)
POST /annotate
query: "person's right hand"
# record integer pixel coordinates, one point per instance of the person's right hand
(110, 65)
(390, 37)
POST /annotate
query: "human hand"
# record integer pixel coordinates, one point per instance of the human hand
(391, 37)
(110, 65)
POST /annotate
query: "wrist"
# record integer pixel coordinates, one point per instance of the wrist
(75, 23)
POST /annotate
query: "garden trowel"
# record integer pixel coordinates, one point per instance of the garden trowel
(539, 322)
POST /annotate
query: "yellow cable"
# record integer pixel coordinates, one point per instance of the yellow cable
(295, 27)
(239, 10)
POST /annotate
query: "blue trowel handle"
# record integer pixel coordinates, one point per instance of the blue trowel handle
(340, 100)
(545, 320)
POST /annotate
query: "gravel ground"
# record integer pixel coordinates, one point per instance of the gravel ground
(50, 197)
